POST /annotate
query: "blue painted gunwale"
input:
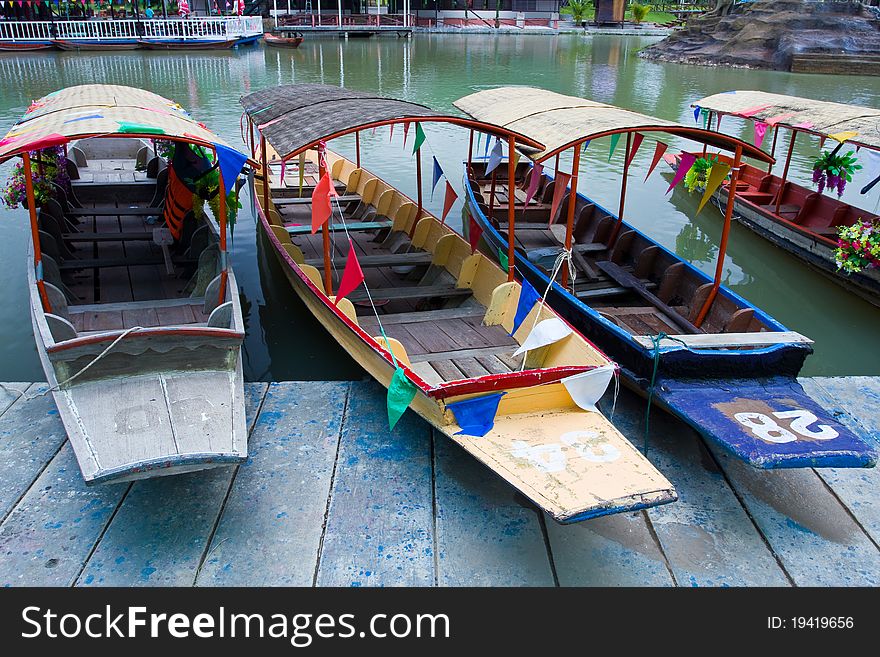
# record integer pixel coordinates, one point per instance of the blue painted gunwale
(720, 376)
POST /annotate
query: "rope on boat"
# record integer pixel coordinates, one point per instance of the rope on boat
(106, 351)
(564, 256)
(655, 341)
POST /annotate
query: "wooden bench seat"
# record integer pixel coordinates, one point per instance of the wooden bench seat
(356, 225)
(415, 292)
(107, 237)
(307, 200)
(101, 263)
(109, 211)
(385, 260)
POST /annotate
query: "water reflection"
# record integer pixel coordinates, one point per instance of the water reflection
(284, 341)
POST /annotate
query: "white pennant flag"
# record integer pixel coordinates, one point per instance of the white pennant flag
(588, 387)
(494, 157)
(546, 332)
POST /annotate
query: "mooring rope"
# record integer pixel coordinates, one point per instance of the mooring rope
(655, 340)
(565, 255)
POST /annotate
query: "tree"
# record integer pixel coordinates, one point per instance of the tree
(579, 10)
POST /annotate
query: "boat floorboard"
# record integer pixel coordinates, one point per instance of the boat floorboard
(412, 508)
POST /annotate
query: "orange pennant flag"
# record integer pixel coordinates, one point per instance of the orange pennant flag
(321, 202)
(352, 275)
(448, 202)
(562, 180)
(659, 149)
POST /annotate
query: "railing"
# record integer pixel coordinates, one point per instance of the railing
(348, 20)
(128, 29)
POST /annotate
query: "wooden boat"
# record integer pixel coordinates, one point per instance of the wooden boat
(139, 331)
(282, 42)
(698, 349)
(25, 46)
(436, 313)
(89, 44)
(188, 44)
(799, 219)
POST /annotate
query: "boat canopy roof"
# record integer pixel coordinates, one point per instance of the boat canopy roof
(296, 117)
(560, 121)
(816, 116)
(100, 110)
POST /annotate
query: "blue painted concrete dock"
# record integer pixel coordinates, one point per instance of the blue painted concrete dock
(329, 498)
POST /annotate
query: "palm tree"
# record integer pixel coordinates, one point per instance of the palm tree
(578, 10)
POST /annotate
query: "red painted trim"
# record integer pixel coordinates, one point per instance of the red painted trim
(147, 332)
(492, 382)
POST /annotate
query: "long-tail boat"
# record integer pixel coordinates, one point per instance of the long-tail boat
(692, 345)
(441, 325)
(276, 41)
(134, 306)
(803, 221)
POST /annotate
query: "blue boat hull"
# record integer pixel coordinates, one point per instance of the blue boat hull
(701, 386)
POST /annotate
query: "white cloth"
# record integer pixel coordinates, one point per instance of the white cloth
(546, 332)
(494, 157)
(588, 387)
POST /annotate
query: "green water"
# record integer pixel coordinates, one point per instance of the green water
(284, 342)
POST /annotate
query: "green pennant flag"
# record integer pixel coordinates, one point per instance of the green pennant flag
(502, 258)
(614, 139)
(400, 393)
(420, 138)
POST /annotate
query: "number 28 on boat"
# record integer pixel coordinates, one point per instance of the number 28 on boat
(447, 330)
(134, 305)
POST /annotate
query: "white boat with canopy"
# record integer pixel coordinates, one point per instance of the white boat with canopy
(134, 305)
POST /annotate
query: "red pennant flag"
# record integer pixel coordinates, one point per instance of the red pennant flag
(659, 149)
(474, 233)
(391, 135)
(637, 141)
(562, 180)
(352, 275)
(321, 203)
(684, 165)
(405, 131)
(448, 202)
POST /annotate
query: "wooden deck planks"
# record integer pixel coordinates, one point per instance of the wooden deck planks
(160, 533)
(380, 519)
(339, 501)
(271, 526)
(487, 533)
(30, 436)
(706, 535)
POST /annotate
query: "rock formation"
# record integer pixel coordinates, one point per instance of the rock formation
(768, 33)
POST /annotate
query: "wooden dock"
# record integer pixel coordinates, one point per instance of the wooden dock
(329, 498)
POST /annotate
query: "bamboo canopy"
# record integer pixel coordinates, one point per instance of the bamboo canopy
(295, 117)
(814, 116)
(97, 110)
(560, 121)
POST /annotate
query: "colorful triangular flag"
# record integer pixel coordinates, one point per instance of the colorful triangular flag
(760, 132)
(448, 202)
(634, 147)
(534, 181)
(545, 332)
(405, 133)
(437, 175)
(528, 297)
(587, 388)
(401, 392)
(352, 275)
(495, 157)
(562, 181)
(615, 138)
(503, 260)
(476, 416)
(321, 209)
(717, 175)
(420, 138)
(659, 149)
(475, 232)
(697, 110)
(684, 165)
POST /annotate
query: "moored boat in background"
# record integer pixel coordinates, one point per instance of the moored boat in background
(692, 345)
(803, 221)
(282, 42)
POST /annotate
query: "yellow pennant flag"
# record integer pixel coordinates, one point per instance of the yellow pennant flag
(843, 136)
(716, 177)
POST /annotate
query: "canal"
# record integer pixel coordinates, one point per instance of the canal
(284, 342)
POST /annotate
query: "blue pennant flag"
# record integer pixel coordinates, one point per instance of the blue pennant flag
(438, 174)
(528, 297)
(586, 143)
(231, 162)
(486, 152)
(476, 416)
(697, 110)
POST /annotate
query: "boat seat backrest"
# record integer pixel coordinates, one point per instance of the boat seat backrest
(561, 210)
(72, 170)
(670, 282)
(766, 182)
(740, 321)
(209, 267)
(57, 300)
(60, 328)
(201, 238)
(49, 246)
(212, 294)
(153, 166)
(809, 207)
(547, 192)
(143, 156)
(158, 199)
(48, 224)
(621, 250)
(583, 221)
(77, 154)
(221, 316)
(604, 227)
(645, 262)
(695, 303)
